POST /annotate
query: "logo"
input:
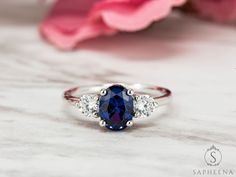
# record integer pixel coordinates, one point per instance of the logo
(213, 156)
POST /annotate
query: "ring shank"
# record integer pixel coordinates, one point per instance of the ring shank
(160, 94)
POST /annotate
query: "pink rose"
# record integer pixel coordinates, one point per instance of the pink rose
(217, 10)
(72, 21)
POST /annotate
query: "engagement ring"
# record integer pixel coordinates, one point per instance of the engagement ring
(117, 104)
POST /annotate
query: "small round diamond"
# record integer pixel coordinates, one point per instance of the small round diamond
(144, 105)
(88, 105)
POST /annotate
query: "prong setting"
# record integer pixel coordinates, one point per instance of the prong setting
(103, 92)
(130, 123)
(95, 115)
(102, 123)
(130, 92)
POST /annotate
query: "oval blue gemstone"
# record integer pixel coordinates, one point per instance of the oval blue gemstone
(116, 107)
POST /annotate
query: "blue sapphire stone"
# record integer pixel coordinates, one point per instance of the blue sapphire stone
(116, 107)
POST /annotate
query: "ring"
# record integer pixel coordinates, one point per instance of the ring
(117, 104)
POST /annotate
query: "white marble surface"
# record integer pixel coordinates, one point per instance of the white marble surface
(196, 59)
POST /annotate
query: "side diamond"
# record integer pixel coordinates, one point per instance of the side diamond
(88, 105)
(144, 105)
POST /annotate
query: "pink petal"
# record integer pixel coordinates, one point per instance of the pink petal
(72, 21)
(67, 24)
(133, 18)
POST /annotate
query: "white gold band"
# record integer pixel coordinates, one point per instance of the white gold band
(160, 94)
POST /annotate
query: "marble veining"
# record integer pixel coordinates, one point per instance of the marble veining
(195, 59)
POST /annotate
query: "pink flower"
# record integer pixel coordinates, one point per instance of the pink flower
(217, 10)
(72, 21)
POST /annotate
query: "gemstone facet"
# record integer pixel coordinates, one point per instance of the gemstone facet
(88, 105)
(116, 107)
(144, 105)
